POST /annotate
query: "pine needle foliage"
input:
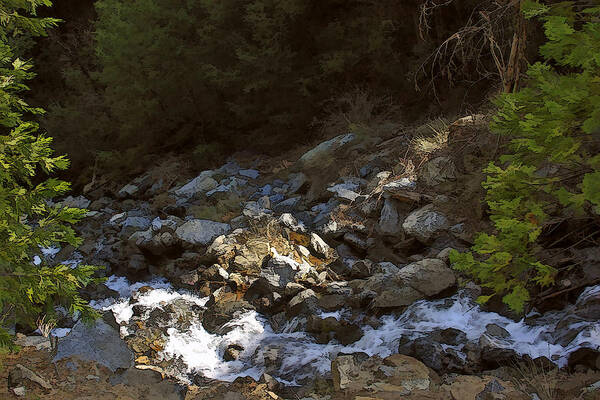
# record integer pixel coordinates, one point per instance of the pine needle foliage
(553, 167)
(29, 220)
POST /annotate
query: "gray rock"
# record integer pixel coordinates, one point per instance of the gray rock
(39, 342)
(134, 224)
(200, 184)
(399, 185)
(345, 191)
(279, 272)
(75, 202)
(356, 241)
(389, 221)
(319, 246)
(287, 205)
(254, 210)
(289, 221)
(128, 190)
(20, 374)
(429, 276)
(200, 232)
(315, 157)
(99, 342)
(304, 303)
(297, 183)
(397, 297)
(386, 267)
(249, 173)
(425, 223)
(438, 171)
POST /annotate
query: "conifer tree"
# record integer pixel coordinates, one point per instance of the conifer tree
(553, 168)
(29, 220)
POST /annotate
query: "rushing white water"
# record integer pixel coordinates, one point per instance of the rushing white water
(291, 356)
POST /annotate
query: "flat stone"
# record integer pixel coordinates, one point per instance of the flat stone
(200, 232)
(99, 342)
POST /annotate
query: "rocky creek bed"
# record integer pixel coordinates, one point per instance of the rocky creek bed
(310, 286)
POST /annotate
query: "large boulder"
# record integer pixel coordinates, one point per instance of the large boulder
(430, 276)
(393, 377)
(222, 307)
(99, 342)
(425, 223)
(200, 232)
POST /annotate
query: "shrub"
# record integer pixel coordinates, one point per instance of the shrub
(553, 122)
(28, 218)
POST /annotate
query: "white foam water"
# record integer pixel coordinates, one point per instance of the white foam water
(292, 356)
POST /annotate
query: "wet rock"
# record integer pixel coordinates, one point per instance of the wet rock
(493, 330)
(199, 232)
(425, 223)
(426, 350)
(179, 312)
(99, 342)
(330, 328)
(397, 297)
(389, 221)
(222, 309)
(493, 355)
(386, 268)
(429, 276)
(587, 357)
(451, 336)
(588, 304)
(232, 352)
(304, 303)
(190, 278)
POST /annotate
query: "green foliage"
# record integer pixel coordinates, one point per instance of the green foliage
(28, 218)
(554, 165)
(249, 73)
